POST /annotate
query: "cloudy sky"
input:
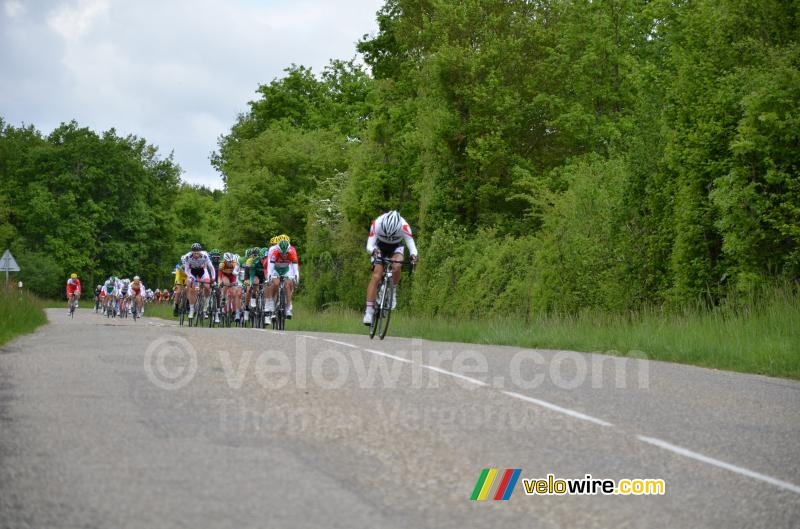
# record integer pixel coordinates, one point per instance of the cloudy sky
(176, 72)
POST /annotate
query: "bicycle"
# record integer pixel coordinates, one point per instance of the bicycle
(73, 304)
(183, 306)
(383, 302)
(279, 314)
(111, 307)
(199, 308)
(257, 312)
(134, 310)
(97, 304)
(213, 307)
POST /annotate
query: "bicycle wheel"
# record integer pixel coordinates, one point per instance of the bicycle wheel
(386, 309)
(134, 311)
(377, 315)
(199, 312)
(282, 307)
(181, 312)
(212, 309)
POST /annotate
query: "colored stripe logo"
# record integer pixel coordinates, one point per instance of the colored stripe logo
(495, 484)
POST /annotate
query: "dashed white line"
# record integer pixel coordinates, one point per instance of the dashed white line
(582, 416)
(721, 464)
(450, 373)
(566, 411)
(337, 342)
(387, 355)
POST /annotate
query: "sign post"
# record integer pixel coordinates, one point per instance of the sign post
(8, 263)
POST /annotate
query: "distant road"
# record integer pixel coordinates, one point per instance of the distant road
(91, 435)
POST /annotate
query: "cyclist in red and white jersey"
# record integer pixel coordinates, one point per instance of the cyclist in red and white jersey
(138, 291)
(386, 237)
(281, 262)
(73, 288)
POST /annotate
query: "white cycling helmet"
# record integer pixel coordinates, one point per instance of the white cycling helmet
(228, 256)
(126, 281)
(391, 224)
(136, 278)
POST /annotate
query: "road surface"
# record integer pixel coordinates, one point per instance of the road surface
(111, 423)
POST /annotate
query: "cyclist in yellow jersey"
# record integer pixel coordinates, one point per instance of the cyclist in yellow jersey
(180, 283)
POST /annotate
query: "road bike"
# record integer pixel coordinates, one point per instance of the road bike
(214, 307)
(183, 306)
(199, 307)
(279, 314)
(73, 304)
(383, 302)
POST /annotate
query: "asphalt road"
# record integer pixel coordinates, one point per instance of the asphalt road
(317, 430)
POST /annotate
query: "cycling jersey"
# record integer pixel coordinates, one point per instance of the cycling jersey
(190, 262)
(110, 287)
(390, 244)
(138, 289)
(180, 277)
(200, 267)
(230, 270)
(73, 285)
(283, 265)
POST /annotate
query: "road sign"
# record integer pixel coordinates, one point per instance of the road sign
(7, 263)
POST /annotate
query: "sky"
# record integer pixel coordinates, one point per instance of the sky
(175, 72)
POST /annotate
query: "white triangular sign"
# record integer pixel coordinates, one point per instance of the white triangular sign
(7, 263)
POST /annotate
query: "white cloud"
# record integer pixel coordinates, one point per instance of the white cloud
(72, 21)
(14, 8)
(176, 73)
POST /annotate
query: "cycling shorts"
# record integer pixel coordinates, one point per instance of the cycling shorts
(201, 274)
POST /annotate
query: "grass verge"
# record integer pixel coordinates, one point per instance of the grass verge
(759, 337)
(20, 313)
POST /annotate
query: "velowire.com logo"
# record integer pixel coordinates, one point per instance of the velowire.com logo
(494, 485)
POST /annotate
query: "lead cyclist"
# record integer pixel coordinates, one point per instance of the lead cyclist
(386, 237)
(199, 269)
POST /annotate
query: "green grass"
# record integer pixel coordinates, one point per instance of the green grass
(758, 337)
(20, 313)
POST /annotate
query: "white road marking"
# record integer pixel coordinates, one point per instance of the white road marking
(582, 416)
(450, 373)
(566, 411)
(337, 342)
(400, 358)
(721, 464)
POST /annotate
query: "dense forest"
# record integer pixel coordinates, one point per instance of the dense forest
(550, 155)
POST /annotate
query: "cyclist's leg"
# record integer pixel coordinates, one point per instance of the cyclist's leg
(272, 289)
(289, 288)
(398, 257)
(372, 288)
(192, 291)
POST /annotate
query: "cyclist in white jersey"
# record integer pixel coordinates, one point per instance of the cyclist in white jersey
(386, 237)
(199, 269)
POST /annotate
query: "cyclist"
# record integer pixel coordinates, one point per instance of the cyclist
(229, 280)
(137, 291)
(110, 290)
(257, 273)
(98, 297)
(282, 262)
(215, 255)
(180, 284)
(124, 294)
(73, 289)
(386, 236)
(199, 269)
